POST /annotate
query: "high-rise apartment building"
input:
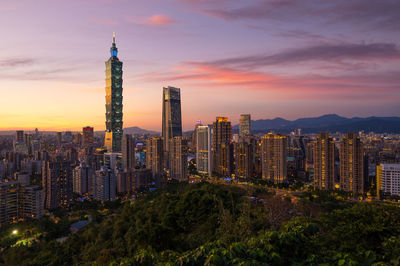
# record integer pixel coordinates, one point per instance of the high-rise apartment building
(221, 139)
(274, 157)
(88, 136)
(388, 179)
(244, 125)
(105, 185)
(203, 151)
(178, 167)
(114, 129)
(57, 183)
(155, 155)
(244, 159)
(351, 164)
(19, 202)
(82, 177)
(324, 162)
(128, 152)
(171, 116)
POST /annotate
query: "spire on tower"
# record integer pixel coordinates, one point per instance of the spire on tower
(113, 49)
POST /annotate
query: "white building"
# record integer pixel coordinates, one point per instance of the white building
(203, 151)
(388, 179)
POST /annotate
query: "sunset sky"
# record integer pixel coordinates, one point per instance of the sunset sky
(282, 58)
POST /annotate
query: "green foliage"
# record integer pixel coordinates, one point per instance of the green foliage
(208, 224)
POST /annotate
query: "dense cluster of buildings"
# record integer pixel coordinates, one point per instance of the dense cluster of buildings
(47, 171)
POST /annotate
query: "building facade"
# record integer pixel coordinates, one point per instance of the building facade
(155, 155)
(128, 152)
(244, 125)
(324, 162)
(274, 157)
(178, 159)
(352, 164)
(114, 115)
(388, 179)
(171, 116)
(221, 139)
(203, 151)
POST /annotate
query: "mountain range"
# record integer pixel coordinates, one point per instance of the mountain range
(328, 123)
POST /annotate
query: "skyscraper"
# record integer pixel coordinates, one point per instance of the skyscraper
(105, 184)
(351, 164)
(113, 136)
(154, 155)
(57, 183)
(324, 162)
(171, 116)
(82, 182)
(128, 152)
(273, 155)
(222, 135)
(244, 158)
(88, 136)
(178, 158)
(203, 151)
(244, 125)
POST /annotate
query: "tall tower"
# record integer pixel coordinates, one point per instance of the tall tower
(171, 116)
(113, 138)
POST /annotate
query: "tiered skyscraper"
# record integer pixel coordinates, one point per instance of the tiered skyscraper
(113, 137)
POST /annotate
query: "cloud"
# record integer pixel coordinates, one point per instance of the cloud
(155, 20)
(382, 14)
(15, 62)
(333, 53)
(377, 86)
(103, 21)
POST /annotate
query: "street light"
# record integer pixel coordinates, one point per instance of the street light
(14, 232)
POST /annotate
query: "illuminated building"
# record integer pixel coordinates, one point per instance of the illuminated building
(82, 177)
(324, 162)
(244, 125)
(388, 179)
(57, 184)
(351, 164)
(244, 158)
(88, 136)
(114, 130)
(171, 117)
(178, 159)
(273, 157)
(128, 152)
(203, 151)
(155, 155)
(105, 184)
(221, 138)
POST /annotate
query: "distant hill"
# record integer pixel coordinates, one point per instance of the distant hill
(128, 130)
(329, 123)
(139, 131)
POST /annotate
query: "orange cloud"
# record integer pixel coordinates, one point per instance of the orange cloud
(155, 20)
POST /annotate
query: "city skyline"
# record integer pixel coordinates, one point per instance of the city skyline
(232, 59)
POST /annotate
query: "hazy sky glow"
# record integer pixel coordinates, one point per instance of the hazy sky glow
(286, 58)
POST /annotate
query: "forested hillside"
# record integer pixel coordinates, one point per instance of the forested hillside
(213, 224)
